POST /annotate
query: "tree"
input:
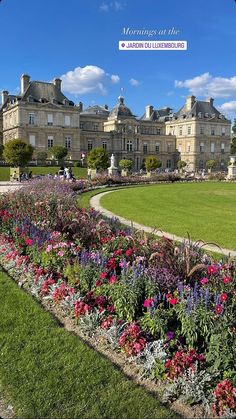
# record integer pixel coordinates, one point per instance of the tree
(181, 164)
(42, 155)
(58, 152)
(17, 152)
(98, 159)
(1, 150)
(126, 164)
(210, 164)
(151, 163)
(233, 140)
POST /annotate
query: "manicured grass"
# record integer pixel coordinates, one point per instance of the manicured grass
(204, 210)
(79, 172)
(48, 372)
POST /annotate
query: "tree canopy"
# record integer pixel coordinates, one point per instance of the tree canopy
(98, 159)
(58, 152)
(17, 152)
(152, 163)
(125, 164)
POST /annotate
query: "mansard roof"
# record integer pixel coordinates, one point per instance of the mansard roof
(199, 109)
(39, 91)
(96, 110)
(160, 115)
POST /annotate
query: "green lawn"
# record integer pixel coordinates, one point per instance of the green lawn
(206, 211)
(79, 172)
(47, 372)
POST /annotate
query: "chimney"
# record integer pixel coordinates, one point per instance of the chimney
(106, 107)
(24, 83)
(57, 83)
(148, 111)
(190, 102)
(4, 96)
(80, 106)
(211, 101)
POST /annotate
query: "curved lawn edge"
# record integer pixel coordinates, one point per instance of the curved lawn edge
(82, 366)
(95, 203)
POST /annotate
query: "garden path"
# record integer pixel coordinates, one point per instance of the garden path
(9, 186)
(95, 203)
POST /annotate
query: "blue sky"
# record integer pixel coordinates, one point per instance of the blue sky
(78, 41)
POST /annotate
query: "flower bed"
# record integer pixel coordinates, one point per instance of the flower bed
(169, 308)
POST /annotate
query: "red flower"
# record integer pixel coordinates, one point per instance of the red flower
(28, 242)
(226, 280)
(103, 275)
(211, 270)
(98, 283)
(223, 296)
(129, 252)
(218, 309)
(173, 301)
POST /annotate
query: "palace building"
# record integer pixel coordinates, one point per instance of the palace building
(42, 115)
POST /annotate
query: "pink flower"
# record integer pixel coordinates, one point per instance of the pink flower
(204, 281)
(148, 302)
(113, 279)
(103, 275)
(60, 253)
(49, 248)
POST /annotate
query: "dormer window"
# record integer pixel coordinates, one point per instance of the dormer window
(43, 100)
(66, 102)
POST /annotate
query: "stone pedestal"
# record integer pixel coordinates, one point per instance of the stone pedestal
(124, 173)
(232, 168)
(94, 173)
(112, 171)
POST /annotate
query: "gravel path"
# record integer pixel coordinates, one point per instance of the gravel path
(95, 203)
(9, 186)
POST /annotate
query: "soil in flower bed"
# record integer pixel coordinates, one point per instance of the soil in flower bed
(47, 372)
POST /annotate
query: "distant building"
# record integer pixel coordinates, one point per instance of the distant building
(202, 133)
(42, 115)
(121, 133)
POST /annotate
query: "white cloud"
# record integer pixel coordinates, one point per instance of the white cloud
(115, 79)
(88, 79)
(114, 6)
(104, 7)
(117, 5)
(134, 82)
(207, 85)
(228, 108)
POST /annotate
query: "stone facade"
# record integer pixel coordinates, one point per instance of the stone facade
(202, 133)
(121, 133)
(44, 117)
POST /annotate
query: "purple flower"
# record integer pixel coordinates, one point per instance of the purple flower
(170, 335)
